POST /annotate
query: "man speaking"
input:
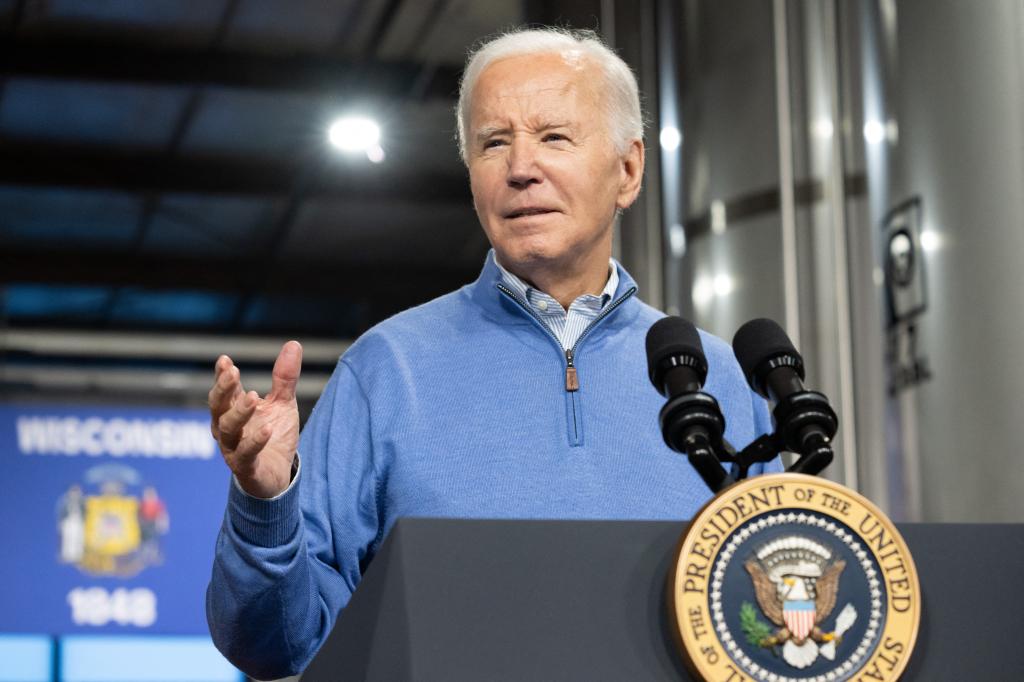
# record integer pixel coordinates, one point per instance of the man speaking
(522, 395)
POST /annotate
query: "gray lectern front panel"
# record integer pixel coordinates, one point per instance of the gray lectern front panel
(584, 600)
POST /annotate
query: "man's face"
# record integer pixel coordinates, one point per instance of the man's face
(545, 174)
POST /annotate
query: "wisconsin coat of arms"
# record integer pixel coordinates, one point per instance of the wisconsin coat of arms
(108, 529)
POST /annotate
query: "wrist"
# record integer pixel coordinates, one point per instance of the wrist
(264, 522)
(262, 489)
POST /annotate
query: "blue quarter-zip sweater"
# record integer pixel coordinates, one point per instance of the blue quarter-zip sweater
(456, 408)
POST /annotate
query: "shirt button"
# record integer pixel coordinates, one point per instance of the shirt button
(542, 304)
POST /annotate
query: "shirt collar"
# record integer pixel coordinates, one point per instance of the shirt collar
(527, 292)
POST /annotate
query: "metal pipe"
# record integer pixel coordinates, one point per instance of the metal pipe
(836, 194)
(787, 201)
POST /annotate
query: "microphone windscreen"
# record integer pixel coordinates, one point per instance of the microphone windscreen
(757, 341)
(668, 337)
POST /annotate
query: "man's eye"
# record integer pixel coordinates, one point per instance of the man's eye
(555, 137)
(491, 144)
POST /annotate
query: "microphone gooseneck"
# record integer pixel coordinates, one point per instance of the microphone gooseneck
(691, 421)
(805, 422)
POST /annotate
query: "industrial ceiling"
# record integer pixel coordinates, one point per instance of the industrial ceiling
(166, 180)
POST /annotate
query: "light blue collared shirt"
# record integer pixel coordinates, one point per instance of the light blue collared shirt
(566, 325)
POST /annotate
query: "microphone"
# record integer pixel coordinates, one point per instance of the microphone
(675, 357)
(804, 419)
(691, 421)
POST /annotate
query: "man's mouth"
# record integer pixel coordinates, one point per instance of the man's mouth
(530, 211)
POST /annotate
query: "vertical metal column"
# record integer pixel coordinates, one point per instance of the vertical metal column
(836, 194)
(638, 235)
(673, 204)
(787, 204)
(652, 227)
(607, 21)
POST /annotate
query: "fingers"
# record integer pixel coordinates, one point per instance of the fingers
(286, 372)
(227, 386)
(231, 423)
(223, 363)
(250, 446)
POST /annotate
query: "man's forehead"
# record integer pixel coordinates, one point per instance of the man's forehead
(543, 80)
(571, 60)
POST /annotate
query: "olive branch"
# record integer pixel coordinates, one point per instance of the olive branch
(753, 627)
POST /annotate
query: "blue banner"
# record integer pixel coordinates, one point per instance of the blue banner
(109, 518)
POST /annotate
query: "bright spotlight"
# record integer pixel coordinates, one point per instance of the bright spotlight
(930, 241)
(823, 128)
(670, 138)
(677, 240)
(355, 135)
(717, 217)
(874, 132)
(703, 292)
(722, 285)
(375, 153)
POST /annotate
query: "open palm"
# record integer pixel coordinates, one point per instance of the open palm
(258, 437)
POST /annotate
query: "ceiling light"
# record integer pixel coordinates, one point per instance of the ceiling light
(355, 135)
(375, 153)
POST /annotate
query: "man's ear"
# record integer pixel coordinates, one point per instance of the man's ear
(632, 167)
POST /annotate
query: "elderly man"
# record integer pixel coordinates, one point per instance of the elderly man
(522, 395)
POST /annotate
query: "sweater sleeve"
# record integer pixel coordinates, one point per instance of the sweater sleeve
(284, 568)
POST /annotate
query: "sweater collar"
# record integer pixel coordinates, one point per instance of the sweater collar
(589, 302)
(484, 291)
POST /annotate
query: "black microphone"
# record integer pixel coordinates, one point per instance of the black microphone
(691, 421)
(675, 357)
(772, 365)
(804, 419)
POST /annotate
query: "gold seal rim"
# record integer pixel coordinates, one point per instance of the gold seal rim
(677, 603)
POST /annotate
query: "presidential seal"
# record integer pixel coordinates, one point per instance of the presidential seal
(788, 578)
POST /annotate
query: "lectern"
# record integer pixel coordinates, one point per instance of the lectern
(584, 600)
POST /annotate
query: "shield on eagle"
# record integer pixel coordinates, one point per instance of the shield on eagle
(799, 617)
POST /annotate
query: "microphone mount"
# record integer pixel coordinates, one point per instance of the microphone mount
(692, 422)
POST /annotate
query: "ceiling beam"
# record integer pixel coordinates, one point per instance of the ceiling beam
(48, 165)
(164, 346)
(382, 26)
(397, 285)
(43, 379)
(111, 61)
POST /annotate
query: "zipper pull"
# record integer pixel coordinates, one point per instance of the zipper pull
(572, 381)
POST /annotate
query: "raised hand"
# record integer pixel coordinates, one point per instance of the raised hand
(258, 436)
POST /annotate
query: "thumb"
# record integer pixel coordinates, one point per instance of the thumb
(286, 371)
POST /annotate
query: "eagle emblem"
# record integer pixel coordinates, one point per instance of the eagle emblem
(796, 580)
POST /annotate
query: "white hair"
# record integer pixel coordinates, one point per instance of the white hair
(621, 99)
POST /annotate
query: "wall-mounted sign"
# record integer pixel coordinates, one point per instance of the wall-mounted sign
(906, 293)
(110, 516)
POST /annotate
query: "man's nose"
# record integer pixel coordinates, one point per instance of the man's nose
(523, 169)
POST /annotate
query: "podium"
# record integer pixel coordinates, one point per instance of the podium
(452, 600)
